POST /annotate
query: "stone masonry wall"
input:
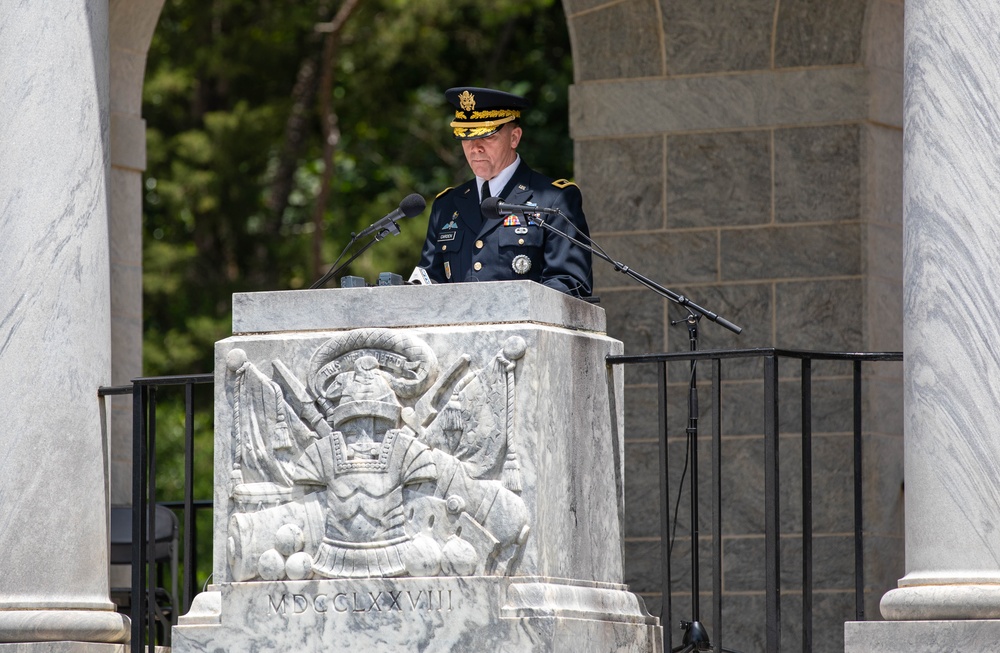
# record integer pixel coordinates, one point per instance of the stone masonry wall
(747, 154)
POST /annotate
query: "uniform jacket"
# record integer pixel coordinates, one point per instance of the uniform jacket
(462, 245)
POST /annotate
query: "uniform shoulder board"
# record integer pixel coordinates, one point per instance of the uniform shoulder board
(443, 192)
(563, 183)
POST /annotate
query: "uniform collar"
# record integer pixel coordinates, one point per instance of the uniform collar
(499, 183)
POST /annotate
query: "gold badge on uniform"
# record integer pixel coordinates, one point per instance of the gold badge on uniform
(521, 264)
(447, 270)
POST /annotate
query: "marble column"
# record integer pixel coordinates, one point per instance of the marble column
(54, 324)
(952, 311)
(949, 598)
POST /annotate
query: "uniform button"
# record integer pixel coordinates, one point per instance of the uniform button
(479, 244)
(444, 247)
(520, 241)
(478, 266)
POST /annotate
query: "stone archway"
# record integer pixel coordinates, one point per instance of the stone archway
(131, 26)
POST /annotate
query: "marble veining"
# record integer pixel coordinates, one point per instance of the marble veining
(951, 299)
(440, 487)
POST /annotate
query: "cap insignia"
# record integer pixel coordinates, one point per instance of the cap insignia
(467, 101)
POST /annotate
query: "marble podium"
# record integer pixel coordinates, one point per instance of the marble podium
(425, 468)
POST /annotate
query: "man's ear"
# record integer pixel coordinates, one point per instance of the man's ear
(515, 137)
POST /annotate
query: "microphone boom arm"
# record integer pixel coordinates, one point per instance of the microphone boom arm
(596, 250)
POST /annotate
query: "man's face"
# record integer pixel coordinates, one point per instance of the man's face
(488, 156)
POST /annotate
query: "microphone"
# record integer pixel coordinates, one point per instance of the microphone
(492, 207)
(412, 205)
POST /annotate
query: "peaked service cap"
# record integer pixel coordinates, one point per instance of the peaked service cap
(481, 112)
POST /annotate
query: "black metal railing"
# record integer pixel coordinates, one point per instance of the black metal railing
(772, 601)
(144, 395)
(143, 608)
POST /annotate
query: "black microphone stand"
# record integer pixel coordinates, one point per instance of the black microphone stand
(596, 250)
(696, 636)
(391, 228)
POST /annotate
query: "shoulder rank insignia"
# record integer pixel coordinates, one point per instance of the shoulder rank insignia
(511, 221)
(443, 192)
(563, 183)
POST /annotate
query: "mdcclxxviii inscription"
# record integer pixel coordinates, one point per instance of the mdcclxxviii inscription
(356, 603)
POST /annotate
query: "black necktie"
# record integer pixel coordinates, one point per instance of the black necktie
(486, 190)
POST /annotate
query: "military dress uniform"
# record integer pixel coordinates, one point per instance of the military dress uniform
(463, 245)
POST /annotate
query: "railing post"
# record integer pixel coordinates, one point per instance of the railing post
(150, 534)
(138, 594)
(859, 548)
(717, 501)
(772, 549)
(190, 566)
(807, 528)
(661, 387)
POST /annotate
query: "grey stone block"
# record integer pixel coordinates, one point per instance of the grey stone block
(719, 179)
(885, 315)
(642, 489)
(641, 412)
(708, 37)
(819, 32)
(909, 636)
(885, 252)
(681, 564)
(882, 165)
(636, 319)
(642, 566)
(883, 491)
(885, 310)
(823, 314)
(817, 174)
(623, 178)
(791, 251)
(712, 102)
(833, 568)
(668, 258)
(619, 41)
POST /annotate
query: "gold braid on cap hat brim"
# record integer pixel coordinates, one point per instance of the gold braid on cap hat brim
(481, 123)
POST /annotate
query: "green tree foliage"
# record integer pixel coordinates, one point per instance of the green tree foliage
(234, 147)
(219, 94)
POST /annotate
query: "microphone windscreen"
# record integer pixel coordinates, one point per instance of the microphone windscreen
(491, 207)
(412, 205)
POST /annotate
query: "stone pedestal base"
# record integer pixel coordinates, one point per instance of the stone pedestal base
(921, 636)
(419, 614)
(49, 627)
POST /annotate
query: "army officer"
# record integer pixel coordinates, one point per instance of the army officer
(464, 245)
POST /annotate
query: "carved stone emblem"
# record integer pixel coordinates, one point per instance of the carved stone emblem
(371, 461)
